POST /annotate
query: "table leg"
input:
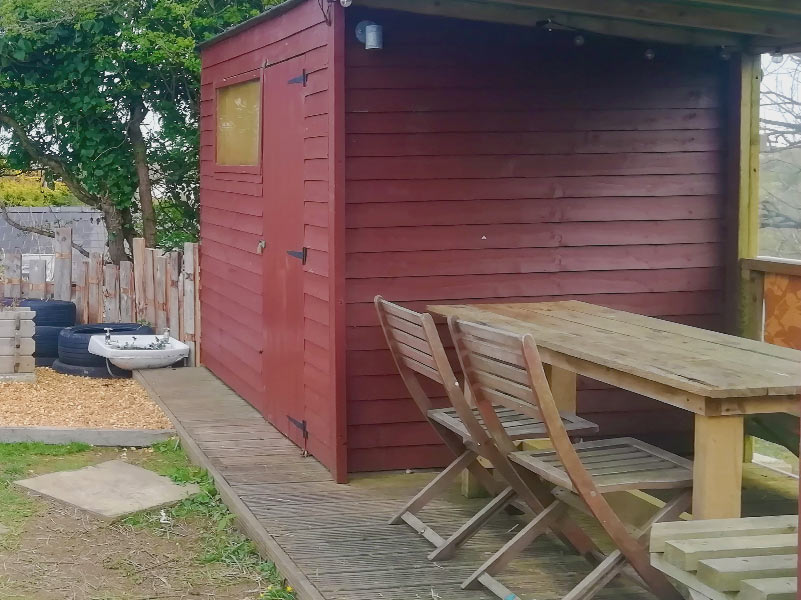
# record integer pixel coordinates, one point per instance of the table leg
(718, 467)
(563, 386)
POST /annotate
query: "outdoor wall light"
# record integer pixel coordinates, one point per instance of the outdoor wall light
(370, 34)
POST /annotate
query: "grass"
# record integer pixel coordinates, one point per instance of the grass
(20, 460)
(219, 541)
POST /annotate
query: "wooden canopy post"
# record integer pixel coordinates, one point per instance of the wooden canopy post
(745, 169)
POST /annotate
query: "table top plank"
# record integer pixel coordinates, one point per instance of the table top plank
(694, 360)
(686, 339)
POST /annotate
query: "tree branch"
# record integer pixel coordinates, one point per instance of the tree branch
(36, 230)
(46, 160)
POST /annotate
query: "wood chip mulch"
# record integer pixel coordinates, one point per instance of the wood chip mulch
(57, 400)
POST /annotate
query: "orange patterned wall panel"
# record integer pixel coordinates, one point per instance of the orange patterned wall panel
(783, 310)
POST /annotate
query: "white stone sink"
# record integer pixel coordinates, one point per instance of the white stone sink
(132, 352)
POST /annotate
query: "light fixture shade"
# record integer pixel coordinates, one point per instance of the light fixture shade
(374, 37)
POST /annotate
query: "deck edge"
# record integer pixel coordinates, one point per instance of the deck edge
(247, 521)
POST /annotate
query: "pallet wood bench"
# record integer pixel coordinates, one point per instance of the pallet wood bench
(754, 558)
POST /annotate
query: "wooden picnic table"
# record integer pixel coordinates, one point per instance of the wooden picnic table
(718, 377)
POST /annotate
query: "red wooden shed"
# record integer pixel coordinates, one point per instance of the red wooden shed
(466, 160)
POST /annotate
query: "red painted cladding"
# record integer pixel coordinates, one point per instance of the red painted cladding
(489, 163)
(463, 162)
(232, 209)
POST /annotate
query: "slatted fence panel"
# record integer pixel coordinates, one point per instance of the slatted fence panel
(156, 288)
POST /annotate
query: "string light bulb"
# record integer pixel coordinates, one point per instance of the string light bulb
(724, 53)
(650, 54)
(579, 40)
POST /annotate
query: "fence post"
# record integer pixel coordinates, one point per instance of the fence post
(173, 272)
(62, 264)
(127, 301)
(13, 274)
(111, 301)
(189, 301)
(139, 279)
(160, 282)
(37, 279)
(150, 288)
(95, 294)
(81, 297)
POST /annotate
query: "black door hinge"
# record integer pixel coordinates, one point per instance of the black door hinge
(300, 425)
(302, 78)
(301, 254)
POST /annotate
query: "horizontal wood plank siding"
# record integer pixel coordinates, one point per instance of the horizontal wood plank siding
(489, 163)
(232, 224)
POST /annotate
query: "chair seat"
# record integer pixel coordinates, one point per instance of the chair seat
(517, 425)
(615, 464)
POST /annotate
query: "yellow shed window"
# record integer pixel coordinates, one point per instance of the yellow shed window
(238, 124)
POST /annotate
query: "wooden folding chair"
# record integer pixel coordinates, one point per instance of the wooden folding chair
(416, 347)
(504, 369)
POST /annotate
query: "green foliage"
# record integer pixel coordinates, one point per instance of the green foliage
(28, 191)
(222, 543)
(71, 72)
(15, 462)
(17, 458)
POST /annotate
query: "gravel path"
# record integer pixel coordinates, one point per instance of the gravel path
(57, 400)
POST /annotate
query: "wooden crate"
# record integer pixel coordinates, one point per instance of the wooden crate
(16, 344)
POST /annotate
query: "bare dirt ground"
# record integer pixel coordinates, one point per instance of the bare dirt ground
(55, 552)
(57, 400)
(63, 554)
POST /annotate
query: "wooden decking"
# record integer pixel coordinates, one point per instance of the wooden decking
(331, 541)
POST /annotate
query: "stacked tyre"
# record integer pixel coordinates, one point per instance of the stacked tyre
(51, 317)
(74, 357)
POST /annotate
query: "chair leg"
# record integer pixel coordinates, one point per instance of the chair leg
(539, 525)
(566, 529)
(601, 575)
(436, 486)
(616, 562)
(466, 531)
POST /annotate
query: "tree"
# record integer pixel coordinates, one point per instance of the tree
(103, 94)
(780, 178)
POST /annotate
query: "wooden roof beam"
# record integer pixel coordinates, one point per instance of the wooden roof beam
(518, 14)
(782, 7)
(692, 16)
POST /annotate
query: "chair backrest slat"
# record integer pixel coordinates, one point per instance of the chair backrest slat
(413, 328)
(520, 394)
(430, 372)
(510, 372)
(420, 356)
(417, 349)
(494, 368)
(492, 361)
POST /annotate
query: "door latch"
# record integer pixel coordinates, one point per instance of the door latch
(261, 246)
(301, 254)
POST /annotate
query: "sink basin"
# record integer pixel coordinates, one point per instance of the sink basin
(138, 351)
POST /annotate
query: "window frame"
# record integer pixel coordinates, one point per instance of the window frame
(256, 74)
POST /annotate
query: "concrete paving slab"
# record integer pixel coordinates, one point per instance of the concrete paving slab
(110, 490)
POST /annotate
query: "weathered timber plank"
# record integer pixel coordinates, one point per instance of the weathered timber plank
(683, 530)
(686, 554)
(779, 588)
(726, 574)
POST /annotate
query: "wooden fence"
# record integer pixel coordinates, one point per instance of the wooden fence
(159, 288)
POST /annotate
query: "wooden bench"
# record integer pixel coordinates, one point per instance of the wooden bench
(754, 558)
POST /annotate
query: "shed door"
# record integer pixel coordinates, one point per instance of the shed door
(283, 252)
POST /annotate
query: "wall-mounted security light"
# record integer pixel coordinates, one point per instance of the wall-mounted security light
(370, 34)
(345, 3)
